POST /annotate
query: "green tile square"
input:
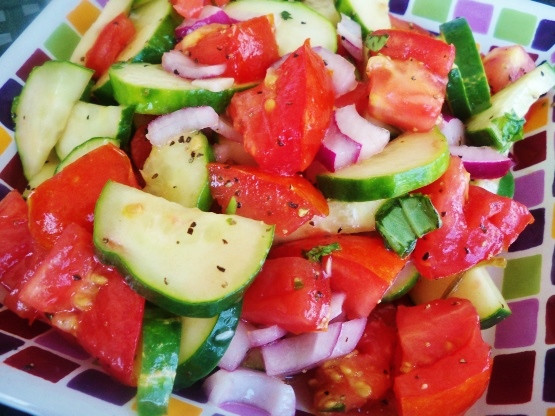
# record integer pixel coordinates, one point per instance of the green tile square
(437, 10)
(522, 277)
(62, 42)
(515, 26)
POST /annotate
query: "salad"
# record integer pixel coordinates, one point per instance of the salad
(243, 194)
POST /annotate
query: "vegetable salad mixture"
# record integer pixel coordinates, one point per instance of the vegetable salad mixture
(293, 203)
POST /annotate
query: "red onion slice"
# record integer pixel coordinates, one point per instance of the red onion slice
(371, 137)
(336, 305)
(262, 336)
(177, 63)
(237, 349)
(209, 14)
(252, 388)
(225, 129)
(342, 71)
(166, 127)
(453, 130)
(337, 149)
(350, 34)
(482, 162)
(351, 332)
(300, 352)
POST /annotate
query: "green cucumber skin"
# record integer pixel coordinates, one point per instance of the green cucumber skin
(501, 133)
(160, 351)
(85, 148)
(207, 357)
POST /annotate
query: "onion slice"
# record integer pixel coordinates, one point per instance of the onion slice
(342, 71)
(351, 332)
(209, 14)
(252, 388)
(177, 63)
(237, 349)
(350, 35)
(262, 336)
(337, 149)
(482, 162)
(453, 130)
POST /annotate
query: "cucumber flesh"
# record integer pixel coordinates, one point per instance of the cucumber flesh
(85, 148)
(190, 262)
(410, 161)
(370, 14)
(403, 283)
(294, 23)
(43, 109)
(46, 172)
(88, 120)
(177, 171)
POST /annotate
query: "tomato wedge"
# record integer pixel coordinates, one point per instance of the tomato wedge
(476, 225)
(111, 41)
(70, 195)
(287, 202)
(16, 241)
(283, 120)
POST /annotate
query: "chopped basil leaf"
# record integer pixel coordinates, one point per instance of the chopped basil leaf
(316, 253)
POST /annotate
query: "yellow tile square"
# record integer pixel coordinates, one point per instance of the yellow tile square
(83, 16)
(5, 140)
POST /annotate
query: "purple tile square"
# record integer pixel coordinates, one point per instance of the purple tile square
(476, 13)
(9, 343)
(8, 92)
(100, 385)
(37, 58)
(529, 188)
(398, 6)
(532, 236)
(519, 329)
(549, 377)
(544, 38)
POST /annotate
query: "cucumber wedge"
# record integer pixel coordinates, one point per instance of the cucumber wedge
(294, 22)
(501, 124)
(85, 148)
(46, 172)
(468, 90)
(403, 283)
(88, 120)
(190, 262)
(152, 90)
(409, 162)
(177, 171)
(203, 343)
(43, 109)
(370, 14)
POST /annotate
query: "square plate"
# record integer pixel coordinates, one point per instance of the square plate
(41, 373)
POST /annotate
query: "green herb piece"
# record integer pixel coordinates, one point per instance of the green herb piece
(316, 253)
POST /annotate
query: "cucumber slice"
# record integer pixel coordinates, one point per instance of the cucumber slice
(152, 90)
(203, 343)
(501, 124)
(85, 148)
(403, 283)
(477, 286)
(160, 349)
(294, 22)
(190, 262)
(426, 290)
(177, 171)
(370, 14)
(43, 109)
(326, 8)
(112, 9)
(88, 120)
(468, 90)
(46, 172)
(409, 162)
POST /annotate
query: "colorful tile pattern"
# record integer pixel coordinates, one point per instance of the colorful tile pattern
(524, 353)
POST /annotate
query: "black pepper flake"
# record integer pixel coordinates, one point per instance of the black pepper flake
(190, 230)
(239, 205)
(224, 241)
(76, 277)
(105, 240)
(220, 268)
(311, 223)
(154, 176)
(166, 281)
(175, 72)
(293, 205)
(426, 256)
(172, 142)
(443, 213)
(318, 295)
(49, 316)
(295, 55)
(483, 228)
(467, 250)
(339, 230)
(280, 143)
(181, 139)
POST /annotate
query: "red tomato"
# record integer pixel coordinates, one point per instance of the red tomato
(70, 195)
(506, 64)
(190, 9)
(437, 55)
(363, 268)
(290, 292)
(140, 147)
(404, 94)
(283, 120)
(397, 23)
(16, 241)
(476, 225)
(358, 97)
(453, 382)
(247, 48)
(113, 39)
(287, 202)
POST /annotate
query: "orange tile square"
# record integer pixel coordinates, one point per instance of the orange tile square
(83, 16)
(5, 140)
(537, 115)
(178, 408)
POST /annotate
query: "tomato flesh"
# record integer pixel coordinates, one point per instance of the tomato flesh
(505, 64)
(16, 241)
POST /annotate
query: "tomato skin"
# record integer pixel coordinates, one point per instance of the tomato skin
(476, 225)
(283, 120)
(247, 48)
(294, 290)
(70, 195)
(16, 241)
(506, 64)
(113, 39)
(140, 147)
(397, 23)
(189, 9)
(437, 55)
(358, 96)
(287, 202)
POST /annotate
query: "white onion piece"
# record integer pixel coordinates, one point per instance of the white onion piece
(215, 84)
(230, 151)
(336, 305)
(166, 127)
(453, 130)
(342, 71)
(300, 352)
(371, 137)
(351, 332)
(237, 349)
(337, 149)
(482, 162)
(209, 14)
(262, 336)
(250, 387)
(226, 129)
(350, 34)
(177, 63)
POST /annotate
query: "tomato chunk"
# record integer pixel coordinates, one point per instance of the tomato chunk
(505, 64)
(294, 290)
(70, 195)
(16, 241)
(111, 41)
(476, 225)
(283, 120)
(287, 202)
